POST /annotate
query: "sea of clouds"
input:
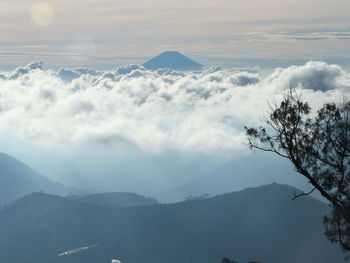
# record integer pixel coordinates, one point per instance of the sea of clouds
(153, 111)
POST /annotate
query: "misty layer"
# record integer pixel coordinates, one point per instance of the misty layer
(154, 111)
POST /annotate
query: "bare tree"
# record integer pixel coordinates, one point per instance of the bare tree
(318, 146)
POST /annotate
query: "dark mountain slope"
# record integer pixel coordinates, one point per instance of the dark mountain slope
(172, 60)
(260, 223)
(17, 179)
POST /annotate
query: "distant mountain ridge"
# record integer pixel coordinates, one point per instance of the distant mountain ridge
(18, 179)
(261, 223)
(116, 199)
(172, 60)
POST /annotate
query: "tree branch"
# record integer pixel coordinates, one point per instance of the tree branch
(303, 194)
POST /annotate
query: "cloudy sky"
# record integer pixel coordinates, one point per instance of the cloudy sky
(72, 109)
(104, 33)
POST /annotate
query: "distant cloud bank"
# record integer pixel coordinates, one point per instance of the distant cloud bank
(153, 111)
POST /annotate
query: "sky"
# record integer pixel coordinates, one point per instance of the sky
(71, 107)
(105, 33)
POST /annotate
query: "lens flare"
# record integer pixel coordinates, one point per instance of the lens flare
(42, 14)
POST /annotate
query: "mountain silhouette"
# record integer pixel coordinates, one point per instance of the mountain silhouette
(115, 199)
(172, 60)
(261, 223)
(18, 179)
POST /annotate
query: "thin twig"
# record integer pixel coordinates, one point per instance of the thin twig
(303, 194)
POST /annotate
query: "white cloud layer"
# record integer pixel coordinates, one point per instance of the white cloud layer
(164, 110)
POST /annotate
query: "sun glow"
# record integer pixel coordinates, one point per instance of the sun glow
(42, 14)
